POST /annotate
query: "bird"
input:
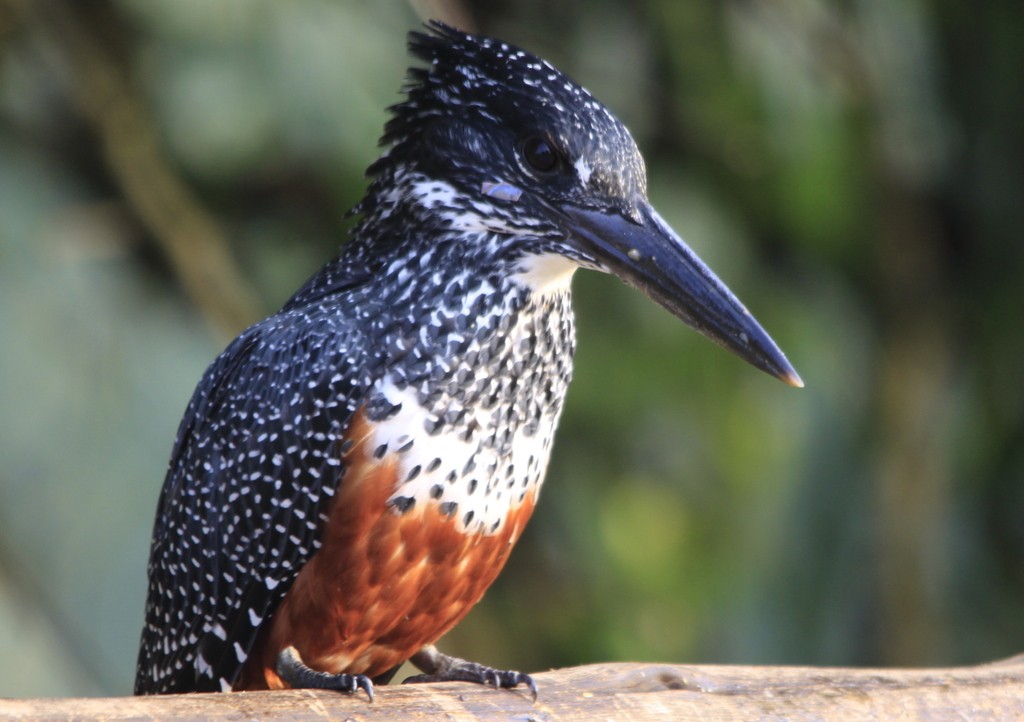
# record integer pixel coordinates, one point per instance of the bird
(351, 473)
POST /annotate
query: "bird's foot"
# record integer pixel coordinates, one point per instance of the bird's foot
(294, 671)
(438, 667)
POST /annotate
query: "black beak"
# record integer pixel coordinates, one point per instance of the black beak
(647, 254)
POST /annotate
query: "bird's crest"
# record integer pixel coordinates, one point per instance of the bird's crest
(485, 84)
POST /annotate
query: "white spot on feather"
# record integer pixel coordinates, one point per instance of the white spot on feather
(584, 170)
(431, 193)
(545, 273)
(203, 666)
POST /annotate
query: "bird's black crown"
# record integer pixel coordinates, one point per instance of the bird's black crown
(486, 111)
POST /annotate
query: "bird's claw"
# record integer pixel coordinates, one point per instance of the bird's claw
(294, 671)
(443, 668)
(352, 683)
(510, 679)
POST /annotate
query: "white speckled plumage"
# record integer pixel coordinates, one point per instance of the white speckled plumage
(447, 318)
(445, 328)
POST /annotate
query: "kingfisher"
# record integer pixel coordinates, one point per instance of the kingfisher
(352, 472)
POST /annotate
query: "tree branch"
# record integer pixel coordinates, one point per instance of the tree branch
(608, 691)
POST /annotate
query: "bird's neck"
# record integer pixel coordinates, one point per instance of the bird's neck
(452, 282)
(467, 334)
(475, 358)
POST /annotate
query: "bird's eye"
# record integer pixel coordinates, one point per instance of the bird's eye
(540, 155)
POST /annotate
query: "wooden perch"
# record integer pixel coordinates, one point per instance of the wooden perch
(608, 692)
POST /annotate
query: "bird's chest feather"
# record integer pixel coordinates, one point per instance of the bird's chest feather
(442, 472)
(470, 432)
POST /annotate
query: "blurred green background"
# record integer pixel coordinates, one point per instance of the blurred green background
(171, 170)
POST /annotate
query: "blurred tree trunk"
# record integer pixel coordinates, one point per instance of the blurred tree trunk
(188, 235)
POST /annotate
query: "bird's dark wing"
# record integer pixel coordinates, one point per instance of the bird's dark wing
(254, 466)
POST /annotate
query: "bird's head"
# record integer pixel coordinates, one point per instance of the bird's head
(499, 147)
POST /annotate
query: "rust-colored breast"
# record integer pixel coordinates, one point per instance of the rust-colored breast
(383, 584)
